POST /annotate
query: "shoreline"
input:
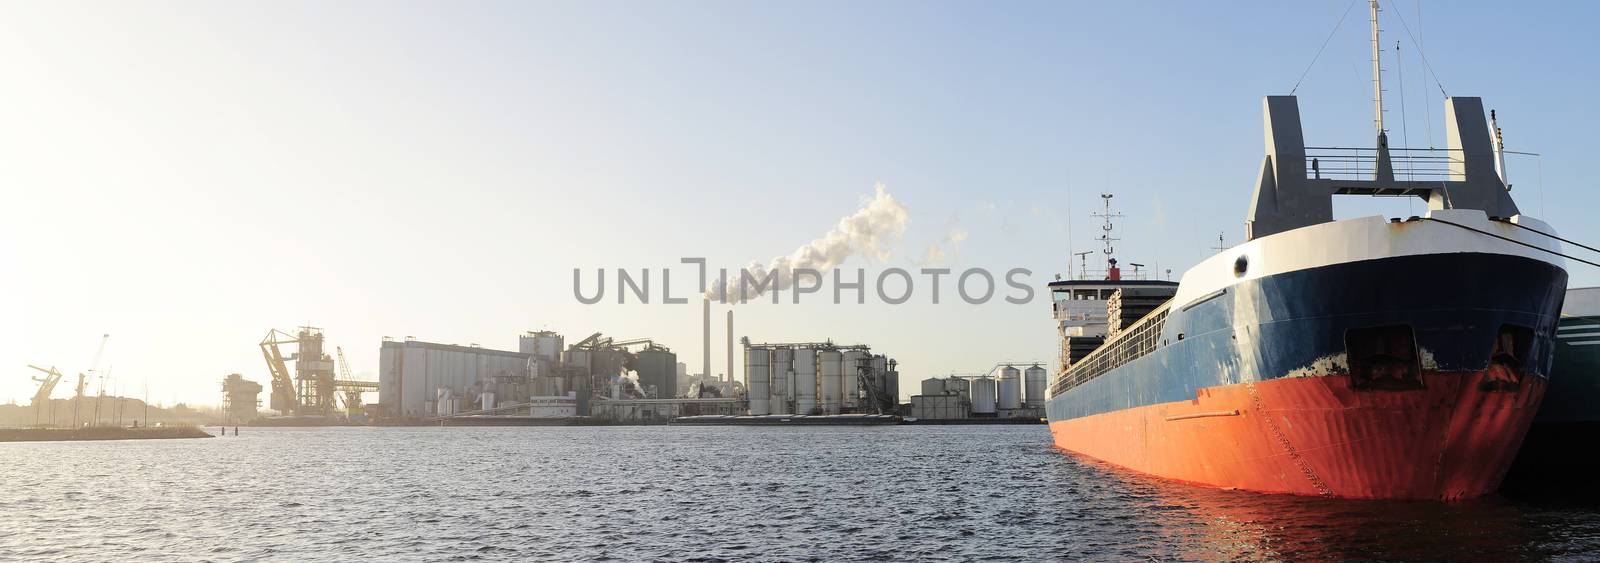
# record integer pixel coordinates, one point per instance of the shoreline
(100, 434)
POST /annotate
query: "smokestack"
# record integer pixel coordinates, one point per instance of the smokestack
(705, 371)
(730, 348)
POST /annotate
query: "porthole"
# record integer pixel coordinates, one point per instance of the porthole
(1240, 266)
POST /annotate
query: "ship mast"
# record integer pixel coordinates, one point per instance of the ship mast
(1112, 273)
(1384, 170)
(1377, 77)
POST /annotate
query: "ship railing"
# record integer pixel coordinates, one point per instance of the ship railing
(1140, 338)
(1361, 164)
(1100, 274)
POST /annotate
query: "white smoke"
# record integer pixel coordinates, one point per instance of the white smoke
(630, 382)
(947, 250)
(871, 231)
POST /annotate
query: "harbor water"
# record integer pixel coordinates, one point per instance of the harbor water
(921, 493)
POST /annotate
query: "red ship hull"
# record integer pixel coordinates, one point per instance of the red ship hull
(1454, 439)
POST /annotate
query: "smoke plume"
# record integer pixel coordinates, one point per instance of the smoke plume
(871, 231)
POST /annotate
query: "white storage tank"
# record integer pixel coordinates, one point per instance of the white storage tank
(782, 361)
(486, 400)
(1035, 382)
(983, 395)
(851, 365)
(1010, 388)
(828, 366)
(933, 386)
(758, 379)
(805, 380)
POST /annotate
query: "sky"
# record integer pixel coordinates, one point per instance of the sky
(185, 176)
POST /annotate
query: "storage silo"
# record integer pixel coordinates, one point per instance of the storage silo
(805, 380)
(1010, 388)
(657, 367)
(880, 374)
(891, 382)
(1035, 382)
(782, 362)
(850, 365)
(544, 344)
(828, 368)
(758, 374)
(959, 386)
(983, 396)
(933, 386)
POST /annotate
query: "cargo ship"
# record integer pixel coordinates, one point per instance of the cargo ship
(1373, 358)
(1570, 414)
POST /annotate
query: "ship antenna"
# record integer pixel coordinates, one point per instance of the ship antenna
(1069, 235)
(1385, 169)
(1499, 150)
(1106, 239)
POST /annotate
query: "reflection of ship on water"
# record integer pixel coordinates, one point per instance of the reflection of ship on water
(1362, 358)
(1554, 456)
(1209, 524)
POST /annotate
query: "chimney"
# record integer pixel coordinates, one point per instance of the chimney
(706, 354)
(730, 348)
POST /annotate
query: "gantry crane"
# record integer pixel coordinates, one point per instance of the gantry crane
(313, 388)
(283, 397)
(47, 385)
(348, 385)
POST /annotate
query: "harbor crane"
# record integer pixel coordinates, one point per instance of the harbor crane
(313, 388)
(283, 397)
(47, 385)
(348, 384)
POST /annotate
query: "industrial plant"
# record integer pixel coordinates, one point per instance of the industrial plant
(1003, 393)
(819, 378)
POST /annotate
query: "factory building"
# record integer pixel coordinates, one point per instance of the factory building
(1004, 392)
(240, 399)
(819, 378)
(419, 379)
(425, 379)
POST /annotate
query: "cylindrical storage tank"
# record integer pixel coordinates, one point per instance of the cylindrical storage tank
(1010, 388)
(850, 366)
(758, 379)
(933, 386)
(1034, 382)
(782, 362)
(891, 385)
(983, 395)
(828, 366)
(486, 400)
(880, 374)
(805, 380)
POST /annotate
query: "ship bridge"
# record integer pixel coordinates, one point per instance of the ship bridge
(1297, 183)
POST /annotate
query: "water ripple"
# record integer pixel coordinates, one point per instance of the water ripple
(698, 494)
